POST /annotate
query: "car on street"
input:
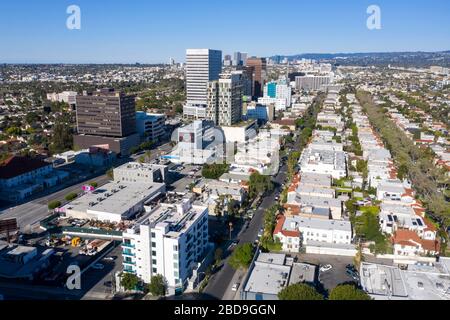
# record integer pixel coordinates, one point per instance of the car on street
(98, 266)
(110, 258)
(260, 233)
(326, 268)
(235, 287)
(233, 245)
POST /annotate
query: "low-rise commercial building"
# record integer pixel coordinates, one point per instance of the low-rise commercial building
(21, 177)
(141, 173)
(270, 273)
(114, 202)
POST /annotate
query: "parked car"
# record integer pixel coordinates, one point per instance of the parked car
(326, 268)
(235, 287)
(351, 267)
(110, 258)
(352, 274)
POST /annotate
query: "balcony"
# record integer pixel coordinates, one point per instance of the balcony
(129, 262)
(128, 254)
(128, 245)
(127, 270)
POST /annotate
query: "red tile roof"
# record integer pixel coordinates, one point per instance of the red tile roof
(16, 166)
(410, 238)
(279, 228)
(406, 235)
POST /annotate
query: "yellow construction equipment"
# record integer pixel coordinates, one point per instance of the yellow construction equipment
(76, 242)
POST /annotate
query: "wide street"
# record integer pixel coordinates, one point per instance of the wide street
(219, 286)
(30, 213)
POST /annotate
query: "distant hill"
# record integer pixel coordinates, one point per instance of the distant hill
(404, 59)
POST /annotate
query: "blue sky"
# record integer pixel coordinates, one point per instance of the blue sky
(150, 31)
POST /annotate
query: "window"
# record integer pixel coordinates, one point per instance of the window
(153, 235)
(154, 253)
(153, 245)
(175, 248)
(154, 270)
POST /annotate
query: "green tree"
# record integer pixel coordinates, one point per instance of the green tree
(258, 184)
(93, 184)
(157, 286)
(292, 163)
(218, 255)
(71, 196)
(129, 281)
(214, 171)
(242, 257)
(62, 138)
(348, 292)
(299, 292)
(54, 204)
(14, 131)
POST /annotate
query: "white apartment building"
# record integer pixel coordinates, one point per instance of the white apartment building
(169, 240)
(327, 162)
(69, 97)
(202, 66)
(279, 103)
(312, 82)
(295, 232)
(260, 153)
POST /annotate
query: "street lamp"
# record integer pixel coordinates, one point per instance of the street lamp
(231, 228)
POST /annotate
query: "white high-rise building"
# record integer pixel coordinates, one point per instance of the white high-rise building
(225, 99)
(202, 66)
(169, 240)
(313, 82)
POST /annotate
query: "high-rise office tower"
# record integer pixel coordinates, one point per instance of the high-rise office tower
(106, 117)
(239, 59)
(244, 56)
(259, 74)
(227, 61)
(202, 66)
(225, 99)
(247, 81)
(106, 113)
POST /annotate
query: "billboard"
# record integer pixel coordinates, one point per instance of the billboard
(88, 188)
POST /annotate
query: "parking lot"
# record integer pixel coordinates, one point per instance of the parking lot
(334, 277)
(181, 177)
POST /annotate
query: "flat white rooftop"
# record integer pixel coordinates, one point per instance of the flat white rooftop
(417, 283)
(115, 198)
